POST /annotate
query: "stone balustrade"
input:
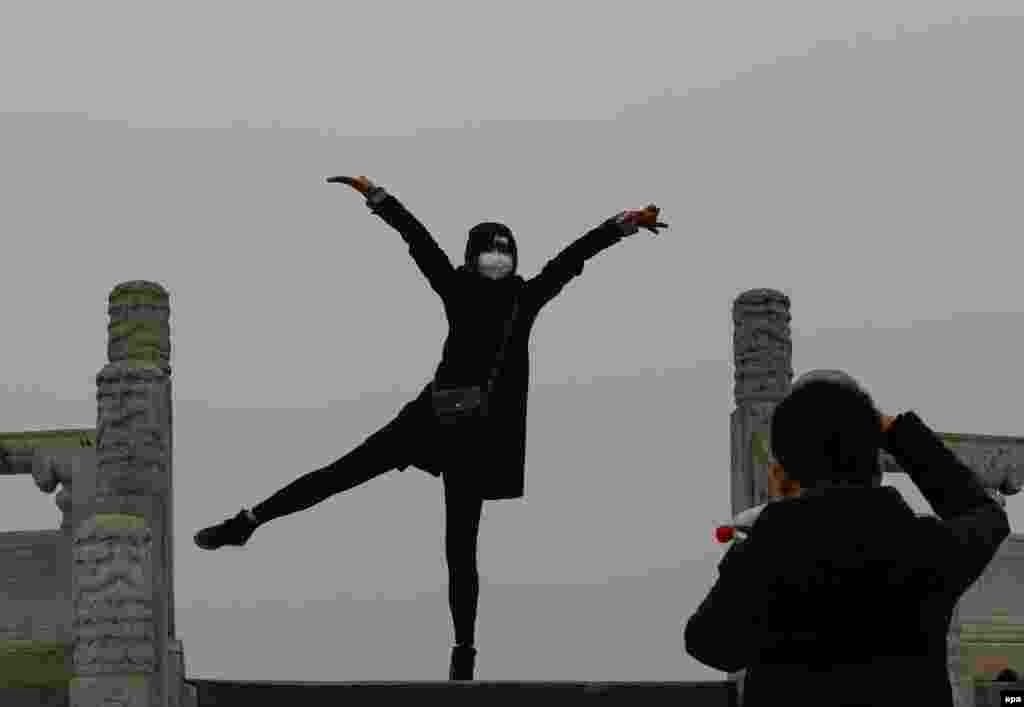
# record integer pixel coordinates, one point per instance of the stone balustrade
(114, 492)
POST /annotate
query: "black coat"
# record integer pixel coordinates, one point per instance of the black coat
(845, 596)
(491, 455)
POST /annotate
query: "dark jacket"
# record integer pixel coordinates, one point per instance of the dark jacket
(845, 596)
(477, 309)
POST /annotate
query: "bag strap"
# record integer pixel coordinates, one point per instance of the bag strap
(501, 351)
(504, 341)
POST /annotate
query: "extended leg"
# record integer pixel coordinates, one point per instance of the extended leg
(363, 463)
(372, 458)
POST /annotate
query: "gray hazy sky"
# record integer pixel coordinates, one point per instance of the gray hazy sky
(863, 157)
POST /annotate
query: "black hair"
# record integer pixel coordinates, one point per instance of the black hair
(1008, 675)
(825, 431)
(481, 237)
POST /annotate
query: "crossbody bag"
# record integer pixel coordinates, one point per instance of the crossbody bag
(452, 404)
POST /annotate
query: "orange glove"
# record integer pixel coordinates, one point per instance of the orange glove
(360, 184)
(646, 217)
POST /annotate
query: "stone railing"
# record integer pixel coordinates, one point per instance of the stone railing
(51, 458)
(36, 624)
(99, 591)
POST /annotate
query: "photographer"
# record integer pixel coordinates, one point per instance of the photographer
(842, 591)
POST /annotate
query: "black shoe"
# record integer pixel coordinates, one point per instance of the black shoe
(233, 531)
(461, 667)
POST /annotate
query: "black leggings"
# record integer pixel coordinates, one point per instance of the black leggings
(370, 459)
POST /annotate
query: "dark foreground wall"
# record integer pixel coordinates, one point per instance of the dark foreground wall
(220, 693)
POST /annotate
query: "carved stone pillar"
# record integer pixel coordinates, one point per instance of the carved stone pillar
(121, 574)
(763, 352)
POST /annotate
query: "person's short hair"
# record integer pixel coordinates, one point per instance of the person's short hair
(827, 430)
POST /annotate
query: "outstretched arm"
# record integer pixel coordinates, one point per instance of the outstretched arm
(568, 264)
(432, 261)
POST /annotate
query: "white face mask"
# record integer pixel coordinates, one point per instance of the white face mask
(495, 264)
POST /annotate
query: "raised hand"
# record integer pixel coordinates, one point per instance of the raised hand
(361, 184)
(646, 217)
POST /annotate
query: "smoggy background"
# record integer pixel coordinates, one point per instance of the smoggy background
(862, 157)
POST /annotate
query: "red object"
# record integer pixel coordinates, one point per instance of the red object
(724, 533)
